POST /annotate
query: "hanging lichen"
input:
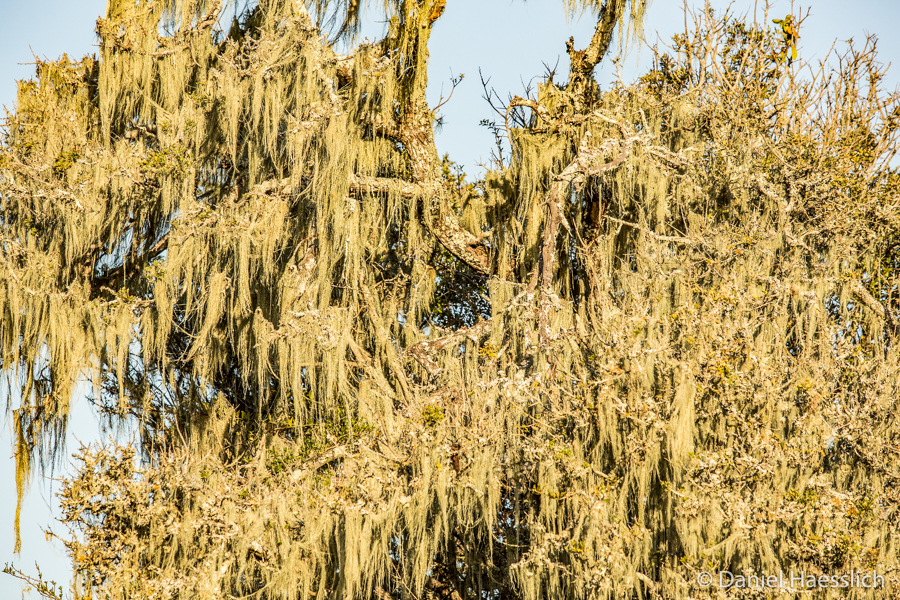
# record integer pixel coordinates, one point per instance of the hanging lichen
(658, 341)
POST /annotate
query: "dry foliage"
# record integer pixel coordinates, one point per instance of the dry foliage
(658, 340)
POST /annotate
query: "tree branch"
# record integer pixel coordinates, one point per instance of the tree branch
(445, 590)
(584, 164)
(588, 58)
(424, 352)
(361, 184)
(872, 303)
(536, 106)
(439, 221)
(582, 62)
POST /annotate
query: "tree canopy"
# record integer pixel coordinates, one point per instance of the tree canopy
(656, 339)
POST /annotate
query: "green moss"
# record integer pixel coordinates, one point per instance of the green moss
(173, 161)
(280, 461)
(432, 415)
(64, 161)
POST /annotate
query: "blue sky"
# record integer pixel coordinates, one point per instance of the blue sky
(509, 41)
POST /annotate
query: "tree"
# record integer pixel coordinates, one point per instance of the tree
(657, 341)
